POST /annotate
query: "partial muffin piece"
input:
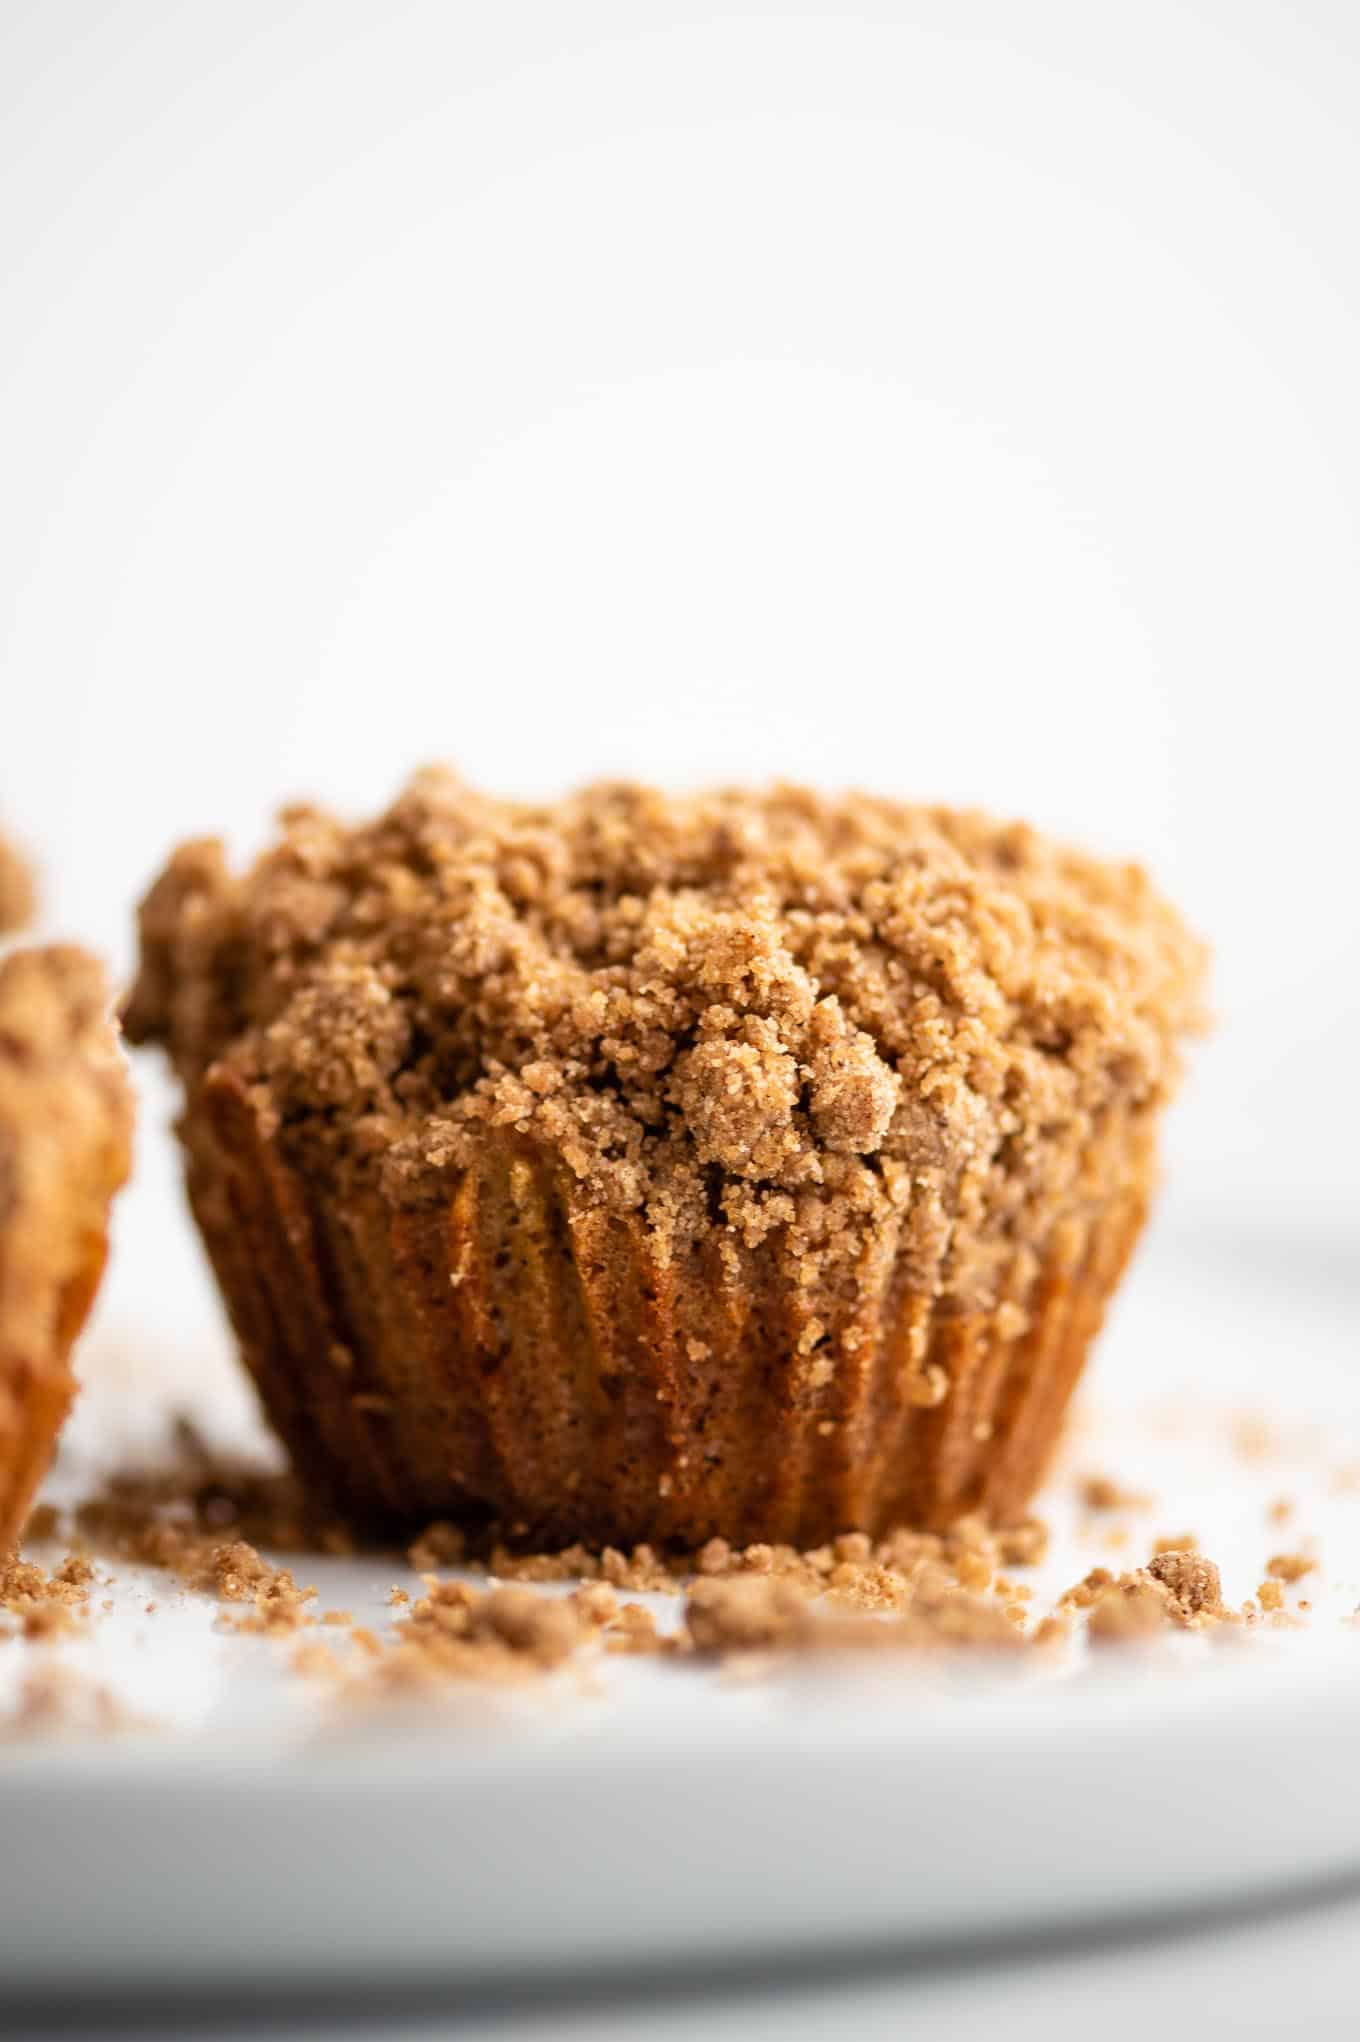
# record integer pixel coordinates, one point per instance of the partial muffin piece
(637, 1167)
(65, 1134)
(18, 894)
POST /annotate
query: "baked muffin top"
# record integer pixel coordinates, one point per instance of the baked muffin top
(755, 1009)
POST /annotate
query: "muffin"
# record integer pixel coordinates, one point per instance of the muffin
(65, 1135)
(649, 1168)
(17, 893)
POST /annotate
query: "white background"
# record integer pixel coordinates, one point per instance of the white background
(952, 398)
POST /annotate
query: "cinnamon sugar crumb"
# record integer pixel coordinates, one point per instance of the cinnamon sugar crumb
(439, 1545)
(633, 1630)
(1088, 1590)
(55, 1700)
(237, 1573)
(1175, 1588)
(315, 1661)
(1290, 1566)
(1023, 1545)
(1131, 1608)
(1102, 1492)
(1192, 1580)
(176, 1517)
(499, 1635)
(44, 1605)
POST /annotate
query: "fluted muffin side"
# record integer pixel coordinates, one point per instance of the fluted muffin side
(517, 1356)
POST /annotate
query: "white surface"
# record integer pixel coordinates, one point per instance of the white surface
(671, 1816)
(1288, 1972)
(959, 398)
(838, 1827)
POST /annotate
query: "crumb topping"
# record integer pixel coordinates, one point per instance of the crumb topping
(1290, 1566)
(775, 1008)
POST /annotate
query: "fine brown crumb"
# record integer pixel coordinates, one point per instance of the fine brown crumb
(912, 1590)
(1101, 1492)
(1175, 1542)
(1024, 1544)
(852, 1568)
(1175, 1588)
(1088, 1590)
(439, 1545)
(1131, 1608)
(634, 1630)
(237, 1573)
(44, 1605)
(18, 894)
(733, 1615)
(1290, 1566)
(178, 1517)
(315, 1661)
(1280, 1510)
(1254, 1437)
(770, 1613)
(55, 1700)
(1270, 1595)
(501, 1636)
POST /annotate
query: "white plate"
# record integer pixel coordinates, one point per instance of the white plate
(670, 1815)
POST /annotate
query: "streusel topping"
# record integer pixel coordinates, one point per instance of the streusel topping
(764, 1010)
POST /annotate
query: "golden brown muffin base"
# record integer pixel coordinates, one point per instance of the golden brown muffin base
(520, 1356)
(65, 1129)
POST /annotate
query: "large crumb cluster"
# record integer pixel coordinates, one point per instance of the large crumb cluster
(778, 1008)
(36, 1603)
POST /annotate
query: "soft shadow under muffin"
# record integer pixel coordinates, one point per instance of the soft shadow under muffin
(640, 1167)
